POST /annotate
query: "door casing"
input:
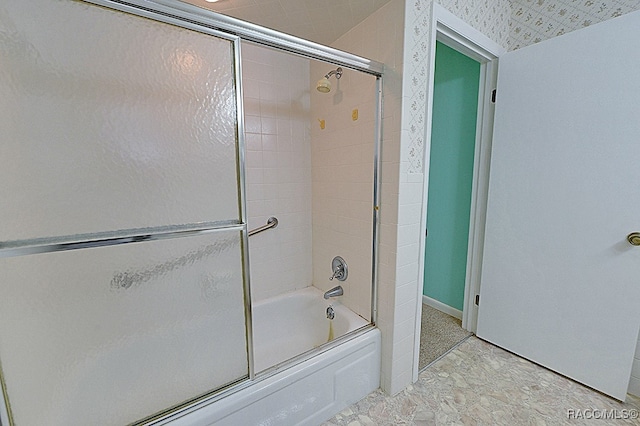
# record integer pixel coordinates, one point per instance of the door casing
(457, 34)
(455, 103)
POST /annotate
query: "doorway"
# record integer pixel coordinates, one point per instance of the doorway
(450, 266)
(453, 140)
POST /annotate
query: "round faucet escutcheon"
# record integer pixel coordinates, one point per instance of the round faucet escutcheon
(339, 268)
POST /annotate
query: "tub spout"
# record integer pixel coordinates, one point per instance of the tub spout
(336, 291)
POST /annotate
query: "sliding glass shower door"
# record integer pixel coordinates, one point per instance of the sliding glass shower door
(122, 290)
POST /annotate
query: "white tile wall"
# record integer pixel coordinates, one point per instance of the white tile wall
(343, 159)
(278, 163)
(380, 37)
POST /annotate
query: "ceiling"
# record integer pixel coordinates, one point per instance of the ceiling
(322, 21)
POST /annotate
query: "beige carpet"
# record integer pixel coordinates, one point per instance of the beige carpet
(439, 333)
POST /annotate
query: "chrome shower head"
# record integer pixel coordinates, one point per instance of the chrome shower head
(324, 85)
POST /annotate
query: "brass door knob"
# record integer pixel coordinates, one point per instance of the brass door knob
(634, 238)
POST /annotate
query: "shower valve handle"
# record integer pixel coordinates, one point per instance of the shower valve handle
(337, 273)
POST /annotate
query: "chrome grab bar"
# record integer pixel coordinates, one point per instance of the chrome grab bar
(272, 222)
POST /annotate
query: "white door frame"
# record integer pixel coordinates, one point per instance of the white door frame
(457, 34)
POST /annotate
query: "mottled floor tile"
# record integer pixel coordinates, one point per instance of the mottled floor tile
(480, 384)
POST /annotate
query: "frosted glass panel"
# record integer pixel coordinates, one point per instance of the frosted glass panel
(109, 335)
(111, 121)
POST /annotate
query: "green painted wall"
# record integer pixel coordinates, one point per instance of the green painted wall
(453, 133)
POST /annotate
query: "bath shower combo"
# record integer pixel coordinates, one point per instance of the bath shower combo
(158, 295)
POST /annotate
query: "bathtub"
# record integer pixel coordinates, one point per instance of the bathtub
(296, 322)
(313, 386)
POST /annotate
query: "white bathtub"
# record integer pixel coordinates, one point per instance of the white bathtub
(290, 324)
(303, 393)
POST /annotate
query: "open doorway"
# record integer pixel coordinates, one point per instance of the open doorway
(458, 133)
(452, 153)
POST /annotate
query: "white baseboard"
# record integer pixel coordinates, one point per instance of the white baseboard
(442, 307)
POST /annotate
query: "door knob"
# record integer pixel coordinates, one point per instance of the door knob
(634, 238)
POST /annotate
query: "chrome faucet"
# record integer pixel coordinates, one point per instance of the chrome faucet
(336, 291)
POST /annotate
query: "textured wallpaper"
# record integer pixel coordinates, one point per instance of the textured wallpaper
(511, 23)
(416, 64)
(491, 17)
(533, 21)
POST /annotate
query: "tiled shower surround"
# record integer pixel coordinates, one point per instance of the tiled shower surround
(398, 35)
(343, 156)
(317, 182)
(278, 163)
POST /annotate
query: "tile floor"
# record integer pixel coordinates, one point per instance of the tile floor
(480, 384)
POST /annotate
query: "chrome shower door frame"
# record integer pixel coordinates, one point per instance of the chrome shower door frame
(122, 237)
(208, 22)
(199, 19)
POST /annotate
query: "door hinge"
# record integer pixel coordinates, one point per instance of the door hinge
(493, 96)
(478, 299)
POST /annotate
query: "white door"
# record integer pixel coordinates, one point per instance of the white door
(560, 283)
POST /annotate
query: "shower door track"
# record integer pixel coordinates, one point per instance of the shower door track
(194, 17)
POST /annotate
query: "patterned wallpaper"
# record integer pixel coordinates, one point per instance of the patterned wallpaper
(416, 63)
(491, 17)
(533, 21)
(511, 23)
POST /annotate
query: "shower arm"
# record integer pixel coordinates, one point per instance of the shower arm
(337, 72)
